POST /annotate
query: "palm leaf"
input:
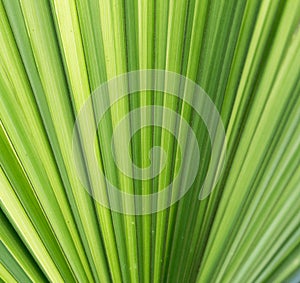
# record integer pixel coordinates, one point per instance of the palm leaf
(55, 55)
